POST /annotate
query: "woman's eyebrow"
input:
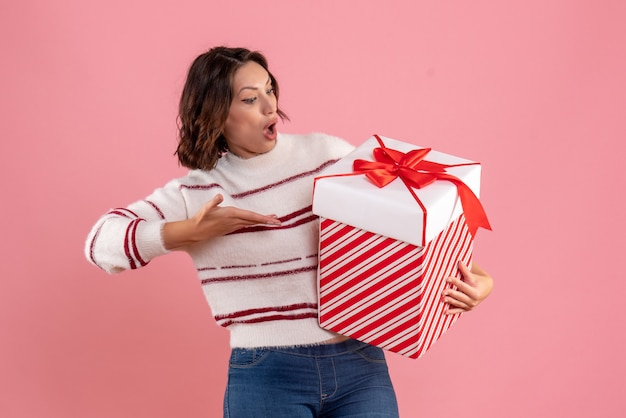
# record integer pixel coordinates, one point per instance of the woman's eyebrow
(269, 81)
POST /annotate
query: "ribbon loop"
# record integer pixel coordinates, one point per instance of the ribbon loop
(418, 173)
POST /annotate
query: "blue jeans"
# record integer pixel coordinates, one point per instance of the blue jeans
(348, 380)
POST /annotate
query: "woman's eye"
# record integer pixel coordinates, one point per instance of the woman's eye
(271, 91)
(250, 100)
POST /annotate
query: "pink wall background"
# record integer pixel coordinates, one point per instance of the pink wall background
(535, 90)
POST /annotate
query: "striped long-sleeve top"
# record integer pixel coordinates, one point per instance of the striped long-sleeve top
(260, 281)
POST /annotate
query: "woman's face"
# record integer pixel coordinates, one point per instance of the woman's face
(250, 128)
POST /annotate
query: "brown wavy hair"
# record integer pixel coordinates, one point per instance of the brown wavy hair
(205, 103)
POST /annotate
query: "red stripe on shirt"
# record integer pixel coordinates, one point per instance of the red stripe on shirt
(271, 318)
(127, 246)
(120, 211)
(257, 276)
(156, 208)
(254, 311)
(92, 245)
(260, 189)
(134, 243)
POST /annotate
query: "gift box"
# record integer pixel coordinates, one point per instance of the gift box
(395, 219)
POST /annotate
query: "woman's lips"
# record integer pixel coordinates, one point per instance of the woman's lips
(270, 131)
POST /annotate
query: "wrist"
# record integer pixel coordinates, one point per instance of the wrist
(178, 234)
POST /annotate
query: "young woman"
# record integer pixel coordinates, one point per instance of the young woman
(243, 214)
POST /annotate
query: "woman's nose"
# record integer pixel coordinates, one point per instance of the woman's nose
(269, 104)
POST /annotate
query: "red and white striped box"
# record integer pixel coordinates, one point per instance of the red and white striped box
(385, 253)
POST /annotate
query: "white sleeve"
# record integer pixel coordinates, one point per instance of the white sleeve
(128, 238)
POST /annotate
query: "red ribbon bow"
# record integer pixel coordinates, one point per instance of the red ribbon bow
(417, 173)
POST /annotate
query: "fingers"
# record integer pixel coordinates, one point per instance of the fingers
(468, 276)
(470, 291)
(452, 311)
(273, 220)
(463, 286)
(216, 200)
(464, 297)
(458, 300)
(254, 218)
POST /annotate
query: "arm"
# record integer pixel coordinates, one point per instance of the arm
(471, 290)
(128, 238)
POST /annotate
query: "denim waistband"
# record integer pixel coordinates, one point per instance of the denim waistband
(319, 350)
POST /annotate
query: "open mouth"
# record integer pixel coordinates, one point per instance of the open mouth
(270, 129)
